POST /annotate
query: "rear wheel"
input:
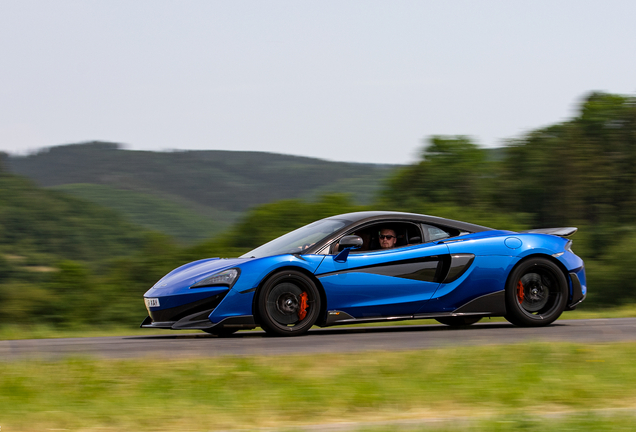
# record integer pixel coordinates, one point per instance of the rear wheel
(536, 293)
(458, 321)
(288, 304)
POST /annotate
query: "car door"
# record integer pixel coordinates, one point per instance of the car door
(382, 283)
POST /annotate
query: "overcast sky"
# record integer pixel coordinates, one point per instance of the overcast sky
(342, 80)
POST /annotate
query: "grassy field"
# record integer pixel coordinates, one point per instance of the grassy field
(38, 331)
(515, 387)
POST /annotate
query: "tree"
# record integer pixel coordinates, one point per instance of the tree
(577, 171)
(451, 170)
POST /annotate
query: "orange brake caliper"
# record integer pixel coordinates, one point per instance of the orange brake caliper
(520, 293)
(302, 310)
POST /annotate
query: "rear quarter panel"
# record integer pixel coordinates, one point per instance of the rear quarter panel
(496, 254)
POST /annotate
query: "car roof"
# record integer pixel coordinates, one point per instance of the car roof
(370, 216)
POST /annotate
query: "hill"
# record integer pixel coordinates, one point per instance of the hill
(154, 213)
(40, 226)
(65, 261)
(192, 194)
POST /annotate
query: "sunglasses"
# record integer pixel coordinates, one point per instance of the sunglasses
(386, 237)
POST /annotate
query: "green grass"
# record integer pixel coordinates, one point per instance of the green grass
(513, 384)
(43, 331)
(585, 312)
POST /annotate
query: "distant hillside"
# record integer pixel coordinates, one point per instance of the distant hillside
(39, 226)
(215, 185)
(154, 213)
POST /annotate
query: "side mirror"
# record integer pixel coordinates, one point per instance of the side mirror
(348, 243)
(351, 241)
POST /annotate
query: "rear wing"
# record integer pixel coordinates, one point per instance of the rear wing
(561, 232)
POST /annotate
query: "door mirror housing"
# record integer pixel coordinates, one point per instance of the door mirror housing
(351, 241)
(347, 243)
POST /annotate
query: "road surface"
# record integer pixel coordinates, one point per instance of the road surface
(176, 344)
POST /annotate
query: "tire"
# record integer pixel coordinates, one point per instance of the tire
(458, 321)
(222, 332)
(536, 293)
(280, 304)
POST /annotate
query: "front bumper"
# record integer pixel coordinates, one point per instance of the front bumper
(195, 315)
(192, 315)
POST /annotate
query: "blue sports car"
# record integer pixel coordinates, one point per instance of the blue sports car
(371, 267)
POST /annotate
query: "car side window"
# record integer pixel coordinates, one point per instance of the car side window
(432, 233)
(407, 234)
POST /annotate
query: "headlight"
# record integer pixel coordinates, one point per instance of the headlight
(226, 277)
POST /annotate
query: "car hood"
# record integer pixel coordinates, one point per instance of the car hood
(191, 273)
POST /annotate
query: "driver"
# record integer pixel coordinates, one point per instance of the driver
(387, 238)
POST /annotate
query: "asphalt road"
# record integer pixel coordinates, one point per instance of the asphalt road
(330, 340)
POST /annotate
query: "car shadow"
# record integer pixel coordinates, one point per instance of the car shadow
(316, 332)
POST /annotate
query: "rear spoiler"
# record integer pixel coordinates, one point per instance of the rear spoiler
(561, 232)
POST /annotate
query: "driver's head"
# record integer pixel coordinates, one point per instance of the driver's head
(387, 238)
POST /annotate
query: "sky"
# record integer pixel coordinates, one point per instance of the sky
(343, 80)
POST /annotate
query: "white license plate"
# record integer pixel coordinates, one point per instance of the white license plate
(152, 302)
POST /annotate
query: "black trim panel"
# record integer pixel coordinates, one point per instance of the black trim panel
(561, 232)
(334, 316)
(492, 304)
(577, 292)
(425, 269)
(458, 266)
(399, 317)
(157, 324)
(197, 320)
(241, 322)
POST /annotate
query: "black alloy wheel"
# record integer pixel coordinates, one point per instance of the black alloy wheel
(288, 304)
(458, 321)
(536, 293)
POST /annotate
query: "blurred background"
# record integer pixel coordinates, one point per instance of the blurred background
(135, 137)
(88, 228)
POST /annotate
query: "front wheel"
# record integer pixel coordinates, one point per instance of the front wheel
(288, 304)
(536, 293)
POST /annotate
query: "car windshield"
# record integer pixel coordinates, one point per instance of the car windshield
(298, 240)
